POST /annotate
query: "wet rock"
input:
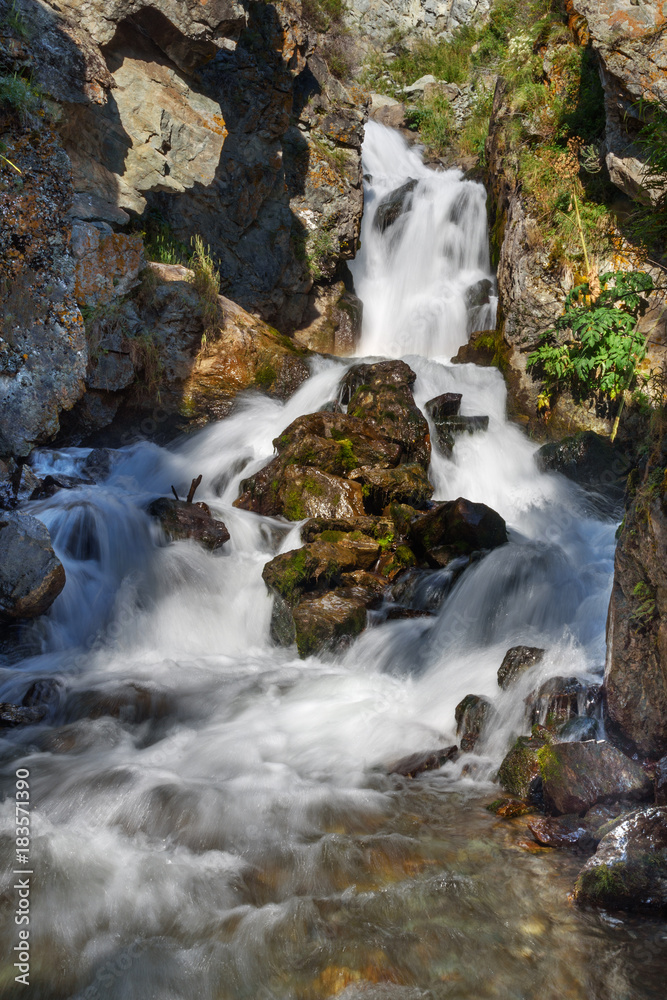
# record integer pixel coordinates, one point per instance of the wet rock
(556, 700)
(51, 484)
(457, 527)
(471, 714)
(180, 520)
(406, 484)
(417, 763)
(564, 831)
(381, 394)
(588, 459)
(18, 715)
(510, 808)
(42, 693)
(31, 575)
(446, 405)
(393, 206)
(448, 427)
(516, 661)
(307, 492)
(578, 729)
(131, 703)
(327, 621)
(578, 775)
(98, 464)
(17, 484)
(519, 774)
(661, 782)
(636, 671)
(318, 564)
(629, 869)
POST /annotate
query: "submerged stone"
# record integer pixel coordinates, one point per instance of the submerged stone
(578, 775)
(181, 520)
(417, 763)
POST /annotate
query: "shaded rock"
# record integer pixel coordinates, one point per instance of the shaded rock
(417, 763)
(661, 782)
(516, 661)
(636, 671)
(556, 700)
(332, 323)
(393, 206)
(50, 485)
(42, 693)
(448, 427)
(17, 484)
(588, 459)
(98, 464)
(564, 831)
(446, 405)
(31, 575)
(374, 527)
(107, 264)
(181, 520)
(629, 869)
(471, 714)
(578, 775)
(406, 484)
(577, 729)
(457, 527)
(519, 774)
(328, 621)
(18, 715)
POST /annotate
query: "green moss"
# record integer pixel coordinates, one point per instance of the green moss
(346, 457)
(293, 507)
(551, 768)
(265, 375)
(312, 486)
(386, 541)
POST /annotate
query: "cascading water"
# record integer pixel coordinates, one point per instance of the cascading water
(210, 815)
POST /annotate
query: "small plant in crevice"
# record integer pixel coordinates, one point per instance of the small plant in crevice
(595, 348)
(146, 357)
(205, 280)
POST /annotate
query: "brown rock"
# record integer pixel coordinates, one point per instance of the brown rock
(578, 775)
(181, 520)
(516, 661)
(406, 484)
(565, 831)
(457, 527)
(31, 575)
(107, 264)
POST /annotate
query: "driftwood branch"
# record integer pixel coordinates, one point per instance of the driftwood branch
(193, 489)
(175, 493)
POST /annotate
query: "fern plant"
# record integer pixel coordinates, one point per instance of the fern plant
(603, 347)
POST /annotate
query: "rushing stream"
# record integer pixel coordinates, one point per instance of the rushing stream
(211, 816)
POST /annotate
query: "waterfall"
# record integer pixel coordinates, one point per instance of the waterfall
(212, 816)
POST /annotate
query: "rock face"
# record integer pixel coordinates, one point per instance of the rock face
(578, 775)
(629, 869)
(373, 19)
(630, 42)
(31, 575)
(222, 117)
(636, 670)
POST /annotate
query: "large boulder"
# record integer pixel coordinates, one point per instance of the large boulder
(629, 869)
(636, 671)
(31, 575)
(372, 456)
(576, 776)
(457, 527)
(519, 773)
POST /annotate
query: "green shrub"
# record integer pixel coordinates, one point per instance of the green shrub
(434, 120)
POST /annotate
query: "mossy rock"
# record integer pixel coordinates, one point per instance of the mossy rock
(519, 774)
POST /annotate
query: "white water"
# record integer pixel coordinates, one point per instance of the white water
(213, 834)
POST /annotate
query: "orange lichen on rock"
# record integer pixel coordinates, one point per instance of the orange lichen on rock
(107, 264)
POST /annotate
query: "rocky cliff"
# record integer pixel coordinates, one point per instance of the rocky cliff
(220, 119)
(375, 19)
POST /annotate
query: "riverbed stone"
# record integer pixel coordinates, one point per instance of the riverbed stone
(31, 575)
(417, 763)
(516, 662)
(561, 832)
(406, 484)
(519, 774)
(578, 775)
(447, 429)
(181, 520)
(328, 621)
(556, 700)
(629, 869)
(19, 715)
